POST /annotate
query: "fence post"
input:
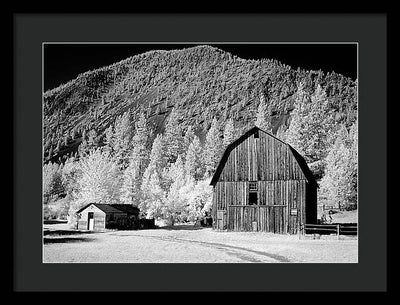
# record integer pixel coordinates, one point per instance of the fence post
(338, 230)
(300, 227)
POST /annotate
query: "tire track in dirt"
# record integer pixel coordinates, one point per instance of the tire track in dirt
(236, 251)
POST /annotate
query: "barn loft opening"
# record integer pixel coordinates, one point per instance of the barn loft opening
(252, 193)
(252, 198)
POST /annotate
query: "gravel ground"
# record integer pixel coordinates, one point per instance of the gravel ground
(188, 244)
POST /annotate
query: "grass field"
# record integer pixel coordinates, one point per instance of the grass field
(189, 244)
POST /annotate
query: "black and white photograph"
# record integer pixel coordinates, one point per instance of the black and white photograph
(200, 152)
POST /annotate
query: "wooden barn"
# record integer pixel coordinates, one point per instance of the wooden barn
(97, 217)
(263, 184)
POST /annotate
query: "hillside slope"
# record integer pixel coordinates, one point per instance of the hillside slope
(201, 83)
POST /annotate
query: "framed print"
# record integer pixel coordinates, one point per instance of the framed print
(205, 146)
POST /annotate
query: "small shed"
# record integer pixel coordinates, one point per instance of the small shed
(98, 216)
(263, 184)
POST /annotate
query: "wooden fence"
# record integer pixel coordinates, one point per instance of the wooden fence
(330, 207)
(326, 229)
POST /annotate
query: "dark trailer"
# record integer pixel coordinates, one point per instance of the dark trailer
(98, 216)
(263, 184)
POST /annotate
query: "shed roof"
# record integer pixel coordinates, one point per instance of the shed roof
(300, 160)
(128, 208)
(112, 208)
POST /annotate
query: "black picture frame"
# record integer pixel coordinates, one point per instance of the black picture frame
(369, 31)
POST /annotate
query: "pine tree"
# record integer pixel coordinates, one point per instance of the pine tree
(140, 143)
(281, 132)
(70, 176)
(173, 137)
(109, 141)
(118, 139)
(337, 185)
(51, 151)
(92, 137)
(131, 186)
(73, 133)
(310, 125)
(263, 118)
(175, 200)
(84, 136)
(153, 200)
(229, 132)
(212, 148)
(176, 171)
(58, 147)
(193, 160)
(46, 145)
(89, 143)
(122, 139)
(353, 167)
(52, 183)
(157, 162)
(188, 139)
(153, 193)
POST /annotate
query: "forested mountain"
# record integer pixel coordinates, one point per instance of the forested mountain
(150, 130)
(200, 83)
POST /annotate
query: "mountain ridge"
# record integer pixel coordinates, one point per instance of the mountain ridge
(200, 82)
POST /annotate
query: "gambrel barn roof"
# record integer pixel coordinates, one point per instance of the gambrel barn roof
(299, 159)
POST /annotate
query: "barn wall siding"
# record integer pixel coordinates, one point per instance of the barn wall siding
(282, 188)
(273, 197)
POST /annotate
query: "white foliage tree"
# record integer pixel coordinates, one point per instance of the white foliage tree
(99, 181)
(310, 125)
(174, 206)
(70, 176)
(140, 142)
(199, 200)
(52, 180)
(173, 136)
(131, 192)
(212, 148)
(152, 184)
(263, 118)
(119, 139)
(131, 185)
(188, 139)
(193, 160)
(229, 132)
(337, 186)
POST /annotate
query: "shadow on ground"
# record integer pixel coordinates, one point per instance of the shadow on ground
(182, 227)
(65, 232)
(63, 240)
(53, 221)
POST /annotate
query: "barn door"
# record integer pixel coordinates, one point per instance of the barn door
(90, 221)
(221, 220)
(273, 218)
